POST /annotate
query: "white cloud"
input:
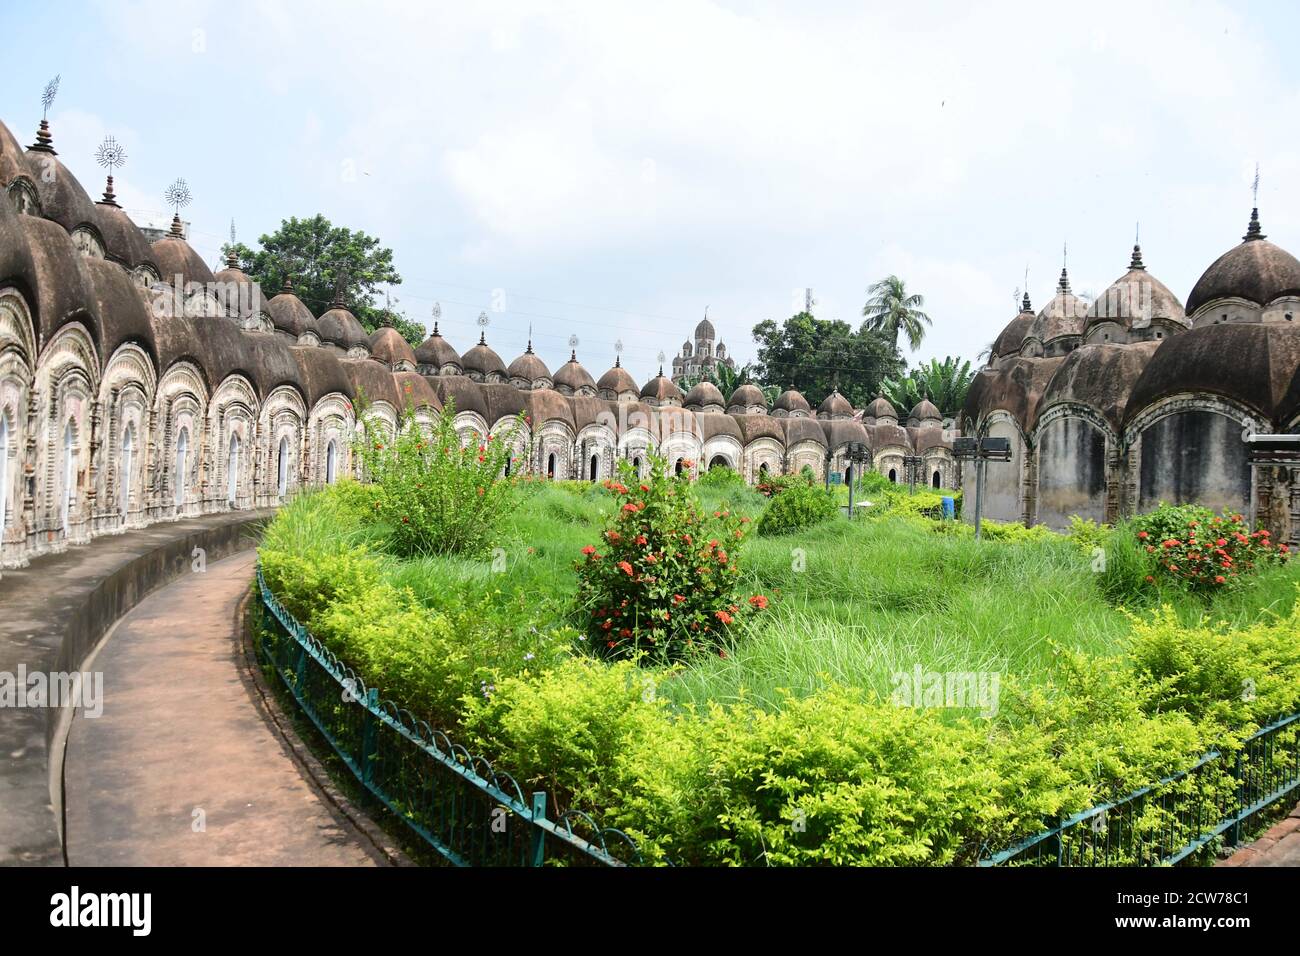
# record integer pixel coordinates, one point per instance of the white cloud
(658, 158)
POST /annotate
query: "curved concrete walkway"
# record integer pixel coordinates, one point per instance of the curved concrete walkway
(182, 768)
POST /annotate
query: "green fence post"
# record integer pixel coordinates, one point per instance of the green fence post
(1238, 773)
(369, 735)
(538, 855)
(1054, 847)
(300, 668)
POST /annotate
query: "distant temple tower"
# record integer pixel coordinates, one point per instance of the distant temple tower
(695, 360)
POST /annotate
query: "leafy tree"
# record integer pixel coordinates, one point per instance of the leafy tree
(891, 309)
(944, 383)
(815, 355)
(316, 253)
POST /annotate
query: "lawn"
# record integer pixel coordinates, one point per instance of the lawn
(709, 758)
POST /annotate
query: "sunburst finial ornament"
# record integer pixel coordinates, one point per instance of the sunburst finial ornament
(483, 322)
(50, 92)
(437, 314)
(662, 358)
(178, 196)
(618, 354)
(112, 156)
(44, 141)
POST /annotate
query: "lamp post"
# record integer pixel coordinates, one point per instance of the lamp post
(913, 465)
(857, 453)
(981, 451)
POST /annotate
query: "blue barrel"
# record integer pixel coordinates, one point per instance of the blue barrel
(949, 507)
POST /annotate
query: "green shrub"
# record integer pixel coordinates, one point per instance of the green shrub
(721, 477)
(1012, 531)
(772, 485)
(797, 508)
(1201, 550)
(874, 483)
(1240, 676)
(1087, 534)
(664, 576)
(437, 495)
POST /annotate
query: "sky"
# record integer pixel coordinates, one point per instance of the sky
(609, 170)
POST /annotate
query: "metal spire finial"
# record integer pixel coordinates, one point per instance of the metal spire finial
(232, 258)
(111, 156)
(1136, 261)
(1253, 231)
(178, 196)
(483, 322)
(44, 141)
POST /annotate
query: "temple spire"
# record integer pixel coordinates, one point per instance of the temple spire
(44, 141)
(1253, 231)
(110, 155)
(1136, 261)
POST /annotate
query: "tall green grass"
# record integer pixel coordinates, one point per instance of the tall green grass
(851, 602)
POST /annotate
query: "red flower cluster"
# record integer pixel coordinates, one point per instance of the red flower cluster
(1206, 551)
(659, 585)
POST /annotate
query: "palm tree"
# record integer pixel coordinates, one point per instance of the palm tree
(892, 309)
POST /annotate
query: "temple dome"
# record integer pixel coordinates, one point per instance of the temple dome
(1063, 316)
(436, 352)
(388, 346)
(483, 360)
(289, 314)
(704, 393)
(1255, 270)
(529, 367)
(747, 395)
(661, 389)
(791, 401)
(1135, 299)
(926, 411)
(340, 327)
(705, 329)
(573, 375)
(1013, 335)
(1251, 363)
(881, 408)
(617, 380)
(835, 405)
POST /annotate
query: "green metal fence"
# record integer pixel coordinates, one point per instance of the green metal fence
(466, 810)
(1172, 820)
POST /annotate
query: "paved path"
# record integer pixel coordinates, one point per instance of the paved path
(183, 741)
(1280, 846)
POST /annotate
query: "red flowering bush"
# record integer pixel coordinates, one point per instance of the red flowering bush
(664, 576)
(1203, 550)
(437, 495)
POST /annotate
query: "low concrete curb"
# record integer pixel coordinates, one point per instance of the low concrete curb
(53, 614)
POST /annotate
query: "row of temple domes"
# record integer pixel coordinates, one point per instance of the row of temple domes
(1137, 345)
(1138, 307)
